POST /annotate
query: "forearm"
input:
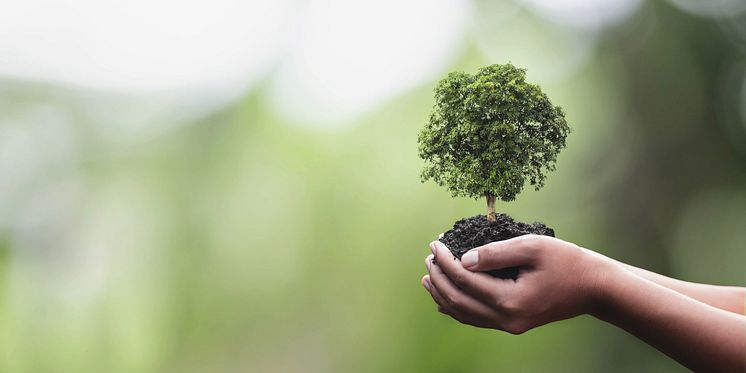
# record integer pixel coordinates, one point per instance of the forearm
(697, 335)
(728, 298)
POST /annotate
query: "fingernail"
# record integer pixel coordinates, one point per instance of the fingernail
(426, 283)
(429, 261)
(432, 247)
(470, 259)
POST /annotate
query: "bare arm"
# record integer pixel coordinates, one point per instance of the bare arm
(559, 280)
(728, 298)
(699, 336)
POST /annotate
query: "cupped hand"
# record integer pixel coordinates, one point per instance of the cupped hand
(557, 280)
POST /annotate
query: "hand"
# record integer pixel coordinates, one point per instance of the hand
(557, 280)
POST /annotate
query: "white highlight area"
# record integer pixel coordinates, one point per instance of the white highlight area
(332, 59)
(140, 45)
(584, 14)
(349, 56)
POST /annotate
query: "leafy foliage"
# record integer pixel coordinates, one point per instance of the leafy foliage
(490, 132)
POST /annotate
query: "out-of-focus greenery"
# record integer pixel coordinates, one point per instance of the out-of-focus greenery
(244, 243)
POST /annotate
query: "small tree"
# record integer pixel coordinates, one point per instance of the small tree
(490, 132)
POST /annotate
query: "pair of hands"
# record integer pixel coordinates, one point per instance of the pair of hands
(701, 326)
(557, 280)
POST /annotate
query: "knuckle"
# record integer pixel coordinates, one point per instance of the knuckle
(489, 252)
(530, 239)
(460, 279)
(526, 238)
(516, 327)
(452, 301)
(495, 302)
(532, 243)
(489, 248)
(511, 307)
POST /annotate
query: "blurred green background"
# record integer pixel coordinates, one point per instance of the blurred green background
(284, 228)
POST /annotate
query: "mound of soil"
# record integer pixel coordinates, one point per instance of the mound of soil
(476, 231)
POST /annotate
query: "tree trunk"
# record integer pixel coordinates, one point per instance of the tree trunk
(491, 216)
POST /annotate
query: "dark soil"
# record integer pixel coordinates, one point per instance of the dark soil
(476, 231)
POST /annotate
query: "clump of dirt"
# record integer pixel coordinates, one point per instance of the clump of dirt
(476, 231)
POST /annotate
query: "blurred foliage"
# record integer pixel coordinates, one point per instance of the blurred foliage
(242, 242)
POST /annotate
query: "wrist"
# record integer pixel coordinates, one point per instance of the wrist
(602, 277)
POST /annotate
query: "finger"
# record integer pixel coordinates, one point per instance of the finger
(429, 261)
(453, 298)
(488, 289)
(464, 319)
(515, 252)
(488, 321)
(443, 305)
(437, 297)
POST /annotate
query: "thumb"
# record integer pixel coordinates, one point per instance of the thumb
(515, 252)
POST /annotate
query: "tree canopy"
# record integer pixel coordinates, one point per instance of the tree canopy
(490, 132)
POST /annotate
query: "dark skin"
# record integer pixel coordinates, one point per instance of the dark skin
(703, 327)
